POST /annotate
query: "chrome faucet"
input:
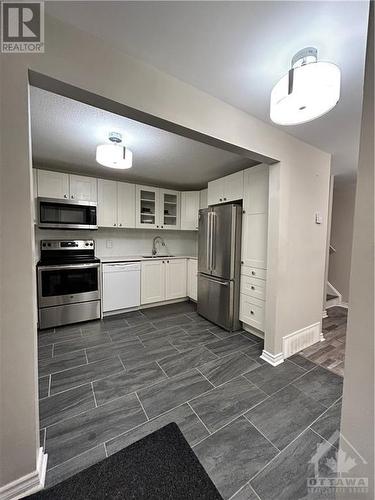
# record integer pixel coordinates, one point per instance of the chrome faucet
(154, 241)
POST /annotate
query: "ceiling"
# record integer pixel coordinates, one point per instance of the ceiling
(65, 134)
(237, 51)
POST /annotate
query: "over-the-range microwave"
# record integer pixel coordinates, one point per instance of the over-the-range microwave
(66, 214)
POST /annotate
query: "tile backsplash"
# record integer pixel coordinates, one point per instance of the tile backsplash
(122, 242)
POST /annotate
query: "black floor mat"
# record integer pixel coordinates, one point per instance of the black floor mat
(160, 466)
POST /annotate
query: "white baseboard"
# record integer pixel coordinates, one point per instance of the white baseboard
(300, 339)
(28, 484)
(272, 359)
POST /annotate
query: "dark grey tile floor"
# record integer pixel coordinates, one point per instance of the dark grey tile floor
(331, 352)
(103, 385)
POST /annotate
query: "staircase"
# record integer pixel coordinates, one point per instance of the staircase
(333, 298)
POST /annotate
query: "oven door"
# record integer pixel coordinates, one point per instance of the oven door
(67, 284)
(66, 214)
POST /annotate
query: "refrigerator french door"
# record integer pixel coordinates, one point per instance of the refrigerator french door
(219, 254)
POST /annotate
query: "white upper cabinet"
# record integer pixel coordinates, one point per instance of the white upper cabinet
(233, 186)
(83, 188)
(125, 204)
(116, 204)
(203, 198)
(147, 207)
(256, 190)
(53, 184)
(215, 193)
(189, 210)
(175, 279)
(66, 186)
(169, 203)
(255, 217)
(107, 203)
(225, 189)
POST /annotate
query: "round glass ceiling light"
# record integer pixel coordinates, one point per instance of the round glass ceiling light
(114, 155)
(308, 91)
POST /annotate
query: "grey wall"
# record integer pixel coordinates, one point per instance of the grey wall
(342, 237)
(300, 187)
(357, 424)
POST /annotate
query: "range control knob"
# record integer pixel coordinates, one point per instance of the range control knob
(86, 244)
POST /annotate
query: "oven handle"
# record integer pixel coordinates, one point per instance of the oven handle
(69, 266)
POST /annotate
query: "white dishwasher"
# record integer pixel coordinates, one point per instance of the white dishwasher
(121, 285)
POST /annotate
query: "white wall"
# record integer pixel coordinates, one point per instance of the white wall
(300, 187)
(342, 237)
(357, 419)
(126, 241)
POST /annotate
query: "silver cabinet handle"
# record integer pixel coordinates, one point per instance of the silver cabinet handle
(252, 287)
(114, 224)
(65, 195)
(120, 225)
(220, 199)
(225, 199)
(72, 197)
(253, 273)
(251, 312)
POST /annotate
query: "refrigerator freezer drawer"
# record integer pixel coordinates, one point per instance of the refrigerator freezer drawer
(252, 311)
(215, 301)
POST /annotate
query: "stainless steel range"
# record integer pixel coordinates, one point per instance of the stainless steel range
(68, 276)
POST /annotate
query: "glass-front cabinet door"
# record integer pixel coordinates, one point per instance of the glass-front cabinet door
(169, 209)
(147, 207)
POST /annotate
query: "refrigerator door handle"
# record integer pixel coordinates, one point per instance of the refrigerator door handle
(208, 250)
(218, 282)
(213, 240)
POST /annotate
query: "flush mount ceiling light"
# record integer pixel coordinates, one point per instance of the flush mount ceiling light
(114, 155)
(308, 91)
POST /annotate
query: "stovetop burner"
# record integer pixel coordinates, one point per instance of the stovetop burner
(67, 252)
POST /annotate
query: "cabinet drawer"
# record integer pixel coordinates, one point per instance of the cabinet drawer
(254, 287)
(254, 272)
(252, 311)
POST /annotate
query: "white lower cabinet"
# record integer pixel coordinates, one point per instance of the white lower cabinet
(252, 311)
(192, 279)
(163, 280)
(152, 281)
(175, 279)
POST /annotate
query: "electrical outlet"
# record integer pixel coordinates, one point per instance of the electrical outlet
(109, 243)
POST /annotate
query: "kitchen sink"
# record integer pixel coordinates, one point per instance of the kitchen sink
(159, 256)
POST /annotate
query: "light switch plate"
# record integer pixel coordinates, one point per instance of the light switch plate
(318, 218)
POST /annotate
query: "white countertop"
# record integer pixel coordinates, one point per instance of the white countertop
(138, 258)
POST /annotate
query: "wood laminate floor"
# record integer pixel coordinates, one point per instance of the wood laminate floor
(105, 384)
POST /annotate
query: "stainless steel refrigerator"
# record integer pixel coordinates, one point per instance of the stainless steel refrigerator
(219, 263)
